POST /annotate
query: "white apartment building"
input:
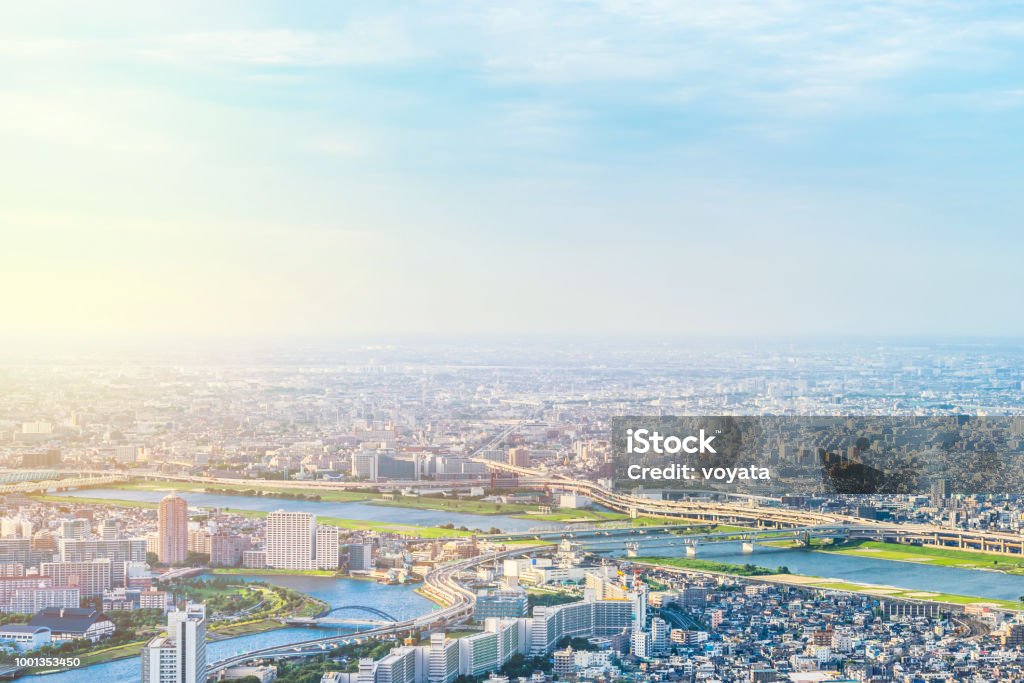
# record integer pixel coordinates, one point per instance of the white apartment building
(291, 540)
(180, 656)
(327, 548)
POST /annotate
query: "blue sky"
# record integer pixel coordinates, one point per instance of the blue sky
(750, 168)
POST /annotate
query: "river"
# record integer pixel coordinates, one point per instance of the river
(401, 602)
(363, 511)
(984, 584)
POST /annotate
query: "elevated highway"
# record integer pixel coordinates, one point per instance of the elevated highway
(767, 517)
(757, 516)
(441, 585)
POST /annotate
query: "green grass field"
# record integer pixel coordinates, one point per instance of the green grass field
(475, 507)
(112, 653)
(943, 557)
(232, 571)
(93, 501)
(330, 496)
(576, 516)
(706, 566)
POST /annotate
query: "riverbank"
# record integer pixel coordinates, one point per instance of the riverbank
(817, 582)
(708, 566)
(437, 503)
(326, 495)
(943, 557)
(340, 522)
(241, 571)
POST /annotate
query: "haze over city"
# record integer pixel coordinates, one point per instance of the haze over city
(580, 341)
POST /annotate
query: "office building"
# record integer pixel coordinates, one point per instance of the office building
(110, 530)
(364, 465)
(360, 557)
(519, 457)
(503, 604)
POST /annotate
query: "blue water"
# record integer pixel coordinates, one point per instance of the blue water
(982, 584)
(366, 511)
(399, 601)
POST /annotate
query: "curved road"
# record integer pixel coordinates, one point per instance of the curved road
(440, 585)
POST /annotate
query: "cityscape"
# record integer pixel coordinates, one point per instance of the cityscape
(433, 514)
(547, 341)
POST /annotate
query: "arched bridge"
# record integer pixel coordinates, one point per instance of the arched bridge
(361, 608)
(325, 618)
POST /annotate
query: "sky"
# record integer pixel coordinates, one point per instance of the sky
(646, 167)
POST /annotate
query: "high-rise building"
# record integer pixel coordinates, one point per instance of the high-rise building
(364, 465)
(91, 577)
(126, 454)
(15, 550)
(442, 659)
(180, 656)
(48, 458)
(565, 662)
(519, 457)
(32, 600)
(199, 541)
(227, 550)
(74, 528)
(504, 604)
(291, 540)
(398, 667)
(360, 557)
(110, 530)
(327, 550)
(118, 552)
(640, 644)
(15, 527)
(659, 635)
(172, 529)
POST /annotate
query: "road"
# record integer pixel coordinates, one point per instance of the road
(441, 585)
